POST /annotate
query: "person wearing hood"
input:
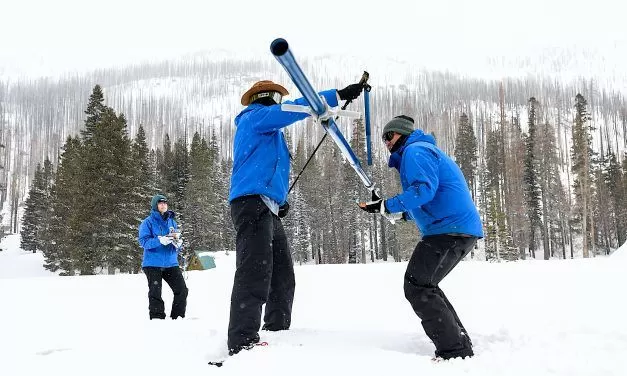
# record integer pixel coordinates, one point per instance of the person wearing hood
(159, 236)
(435, 195)
(258, 199)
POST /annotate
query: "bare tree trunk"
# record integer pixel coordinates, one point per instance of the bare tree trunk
(363, 247)
(384, 243)
(570, 202)
(584, 221)
(378, 253)
(545, 231)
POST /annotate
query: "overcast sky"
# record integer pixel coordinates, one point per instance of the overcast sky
(78, 34)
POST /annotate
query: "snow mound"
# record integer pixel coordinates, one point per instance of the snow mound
(620, 253)
(17, 263)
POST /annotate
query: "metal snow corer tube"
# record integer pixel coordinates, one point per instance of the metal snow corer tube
(367, 116)
(280, 50)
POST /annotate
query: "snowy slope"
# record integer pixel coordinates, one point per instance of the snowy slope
(525, 318)
(620, 254)
(15, 263)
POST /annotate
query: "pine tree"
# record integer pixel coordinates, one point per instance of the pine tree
(530, 178)
(197, 206)
(552, 193)
(300, 242)
(95, 110)
(111, 170)
(601, 203)
(352, 188)
(35, 207)
(333, 252)
(297, 228)
(226, 224)
(142, 188)
(167, 173)
(61, 236)
(181, 176)
(581, 154)
(314, 199)
(616, 186)
(516, 208)
(217, 194)
(466, 151)
(499, 243)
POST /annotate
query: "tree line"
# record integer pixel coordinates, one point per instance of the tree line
(530, 200)
(84, 215)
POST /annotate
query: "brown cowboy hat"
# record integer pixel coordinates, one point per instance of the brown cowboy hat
(261, 86)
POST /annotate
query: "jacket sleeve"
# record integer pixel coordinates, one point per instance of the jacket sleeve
(271, 118)
(421, 172)
(147, 239)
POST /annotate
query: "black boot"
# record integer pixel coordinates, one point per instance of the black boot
(246, 346)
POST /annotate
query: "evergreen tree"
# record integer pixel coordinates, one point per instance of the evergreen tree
(516, 207)
(142, 189)
(352, 188)
(35, 208)
(530, 178)
(95, 110)
(487, 202)
(581, 154)
(61, 235)
(314, 196)
(167, 173)
(296, 225)
(602, 209)
(197, 206)
(154, 175)
(226, 224)
(181, 175)
(466, 151)
(112, 225)
(333, 252)
(498, 236)
(217, 195)
(552, 193)
(616, 185)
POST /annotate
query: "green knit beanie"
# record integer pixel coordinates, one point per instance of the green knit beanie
(400, 124)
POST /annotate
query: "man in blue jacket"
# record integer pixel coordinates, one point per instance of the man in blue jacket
(258, 198)
(436, 196)
(159, 236)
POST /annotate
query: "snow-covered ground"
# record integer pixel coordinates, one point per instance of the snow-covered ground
(15, 263)
(620, 254)
(525, 318)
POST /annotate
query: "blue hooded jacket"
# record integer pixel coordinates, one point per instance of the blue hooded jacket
(155, 253)
(261, 159)
(435, 193)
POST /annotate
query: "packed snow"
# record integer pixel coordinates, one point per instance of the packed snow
(557, 317)
(620, 253)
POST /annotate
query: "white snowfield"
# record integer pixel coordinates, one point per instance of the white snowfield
(526, 318)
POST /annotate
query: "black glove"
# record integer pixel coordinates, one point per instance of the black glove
(283, 209)
(351, 92)
(371, 206)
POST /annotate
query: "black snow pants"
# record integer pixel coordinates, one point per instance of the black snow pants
(434, 257)
(264, 273)
(174, 278)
